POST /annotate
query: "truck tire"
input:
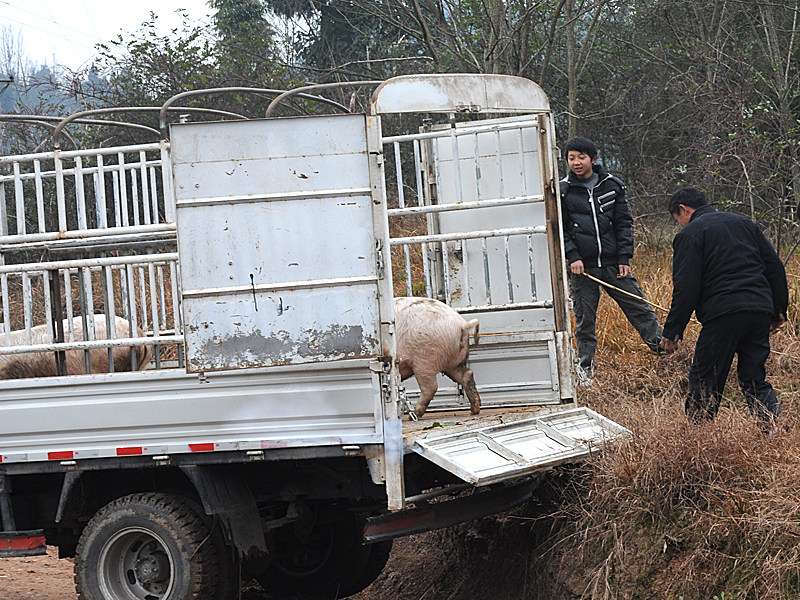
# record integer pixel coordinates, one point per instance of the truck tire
(312, 561)
(147, 546)
(377, 555)
(229, 584)
(330, 562)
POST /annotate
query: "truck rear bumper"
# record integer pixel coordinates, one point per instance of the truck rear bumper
(427, 517)
(22, 543)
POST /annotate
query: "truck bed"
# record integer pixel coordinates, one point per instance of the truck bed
(458, 420)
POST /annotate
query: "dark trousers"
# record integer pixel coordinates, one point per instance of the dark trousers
(585, 298)
(745, 334)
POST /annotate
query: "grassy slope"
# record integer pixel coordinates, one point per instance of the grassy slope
(678, 512)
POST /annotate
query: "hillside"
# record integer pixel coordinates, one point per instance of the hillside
(680, 511)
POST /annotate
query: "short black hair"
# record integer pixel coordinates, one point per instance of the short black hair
(688, 196)
(582, 145)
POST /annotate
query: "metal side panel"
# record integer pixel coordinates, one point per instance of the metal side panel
(164, 412)
(522, 371)
(486, 455)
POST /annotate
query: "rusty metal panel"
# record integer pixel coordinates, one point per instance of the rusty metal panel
(279, 259)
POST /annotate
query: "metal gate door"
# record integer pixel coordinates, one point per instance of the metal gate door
(486, 248)
(268, 277)
(489, 174)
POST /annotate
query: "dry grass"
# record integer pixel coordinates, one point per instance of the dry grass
(408, 225)
(684, 511)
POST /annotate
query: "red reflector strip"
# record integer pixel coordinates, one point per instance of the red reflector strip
(60, 455)
(201, 447)
(28, 543)
(133, 451)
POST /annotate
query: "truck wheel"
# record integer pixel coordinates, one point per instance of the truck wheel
(377, 557)
(311, 560)
(228, 582)
(229, 565)
(327, 562)
(146, 547)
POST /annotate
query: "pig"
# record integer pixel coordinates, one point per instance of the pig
(43, 364)
(433, 338)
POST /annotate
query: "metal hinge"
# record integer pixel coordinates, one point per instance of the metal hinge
(379, 257)
(409, 408)
(386, 388)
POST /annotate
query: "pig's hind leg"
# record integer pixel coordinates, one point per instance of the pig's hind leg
(427, 387)
(463, 376)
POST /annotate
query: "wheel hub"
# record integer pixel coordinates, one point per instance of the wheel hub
(152, 568)
(135, 565)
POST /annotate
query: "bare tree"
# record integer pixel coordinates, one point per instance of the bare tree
(13, 58)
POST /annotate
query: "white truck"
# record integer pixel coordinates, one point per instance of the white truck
(270, 437)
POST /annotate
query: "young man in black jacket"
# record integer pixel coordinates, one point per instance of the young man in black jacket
(725, 270)
(598, 240)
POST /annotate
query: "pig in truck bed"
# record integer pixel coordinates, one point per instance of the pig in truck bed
(257, 262)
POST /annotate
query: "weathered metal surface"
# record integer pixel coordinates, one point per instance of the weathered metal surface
(277, 241)
(219, 340)
(485, 249)
(166, 411)
(459, 93)
(22, 543)
(482, 456)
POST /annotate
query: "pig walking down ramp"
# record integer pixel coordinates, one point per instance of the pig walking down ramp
(43, 364)
(433, 338)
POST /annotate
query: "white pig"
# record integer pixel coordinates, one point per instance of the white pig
(43, 364)
(433, 338)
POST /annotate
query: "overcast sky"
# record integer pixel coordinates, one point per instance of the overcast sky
(69, 29)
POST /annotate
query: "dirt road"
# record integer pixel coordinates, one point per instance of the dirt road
(48, 578)
(37, 578)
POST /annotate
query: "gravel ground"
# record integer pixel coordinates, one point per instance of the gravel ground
(37, 578)
(48, 578)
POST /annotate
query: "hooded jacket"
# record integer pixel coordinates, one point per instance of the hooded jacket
(723, 264)
(598, 226)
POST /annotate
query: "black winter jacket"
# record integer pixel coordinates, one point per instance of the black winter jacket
(723, 264)
(598, 226)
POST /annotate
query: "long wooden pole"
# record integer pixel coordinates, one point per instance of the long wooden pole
(613, 287)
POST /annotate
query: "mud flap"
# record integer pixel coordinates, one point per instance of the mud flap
(228, 496)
